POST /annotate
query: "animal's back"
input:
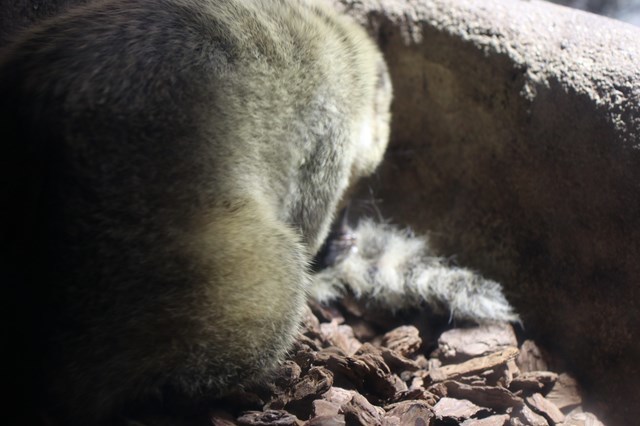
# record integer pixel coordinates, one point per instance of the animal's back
(173, 165)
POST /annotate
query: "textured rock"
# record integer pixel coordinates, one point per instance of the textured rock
(516, 143)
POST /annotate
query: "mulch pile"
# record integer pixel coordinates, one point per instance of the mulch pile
(357, 366)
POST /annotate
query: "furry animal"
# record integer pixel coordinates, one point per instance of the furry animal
(169, 169)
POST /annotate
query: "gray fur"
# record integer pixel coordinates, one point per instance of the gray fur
(171, 166)
(396, 270)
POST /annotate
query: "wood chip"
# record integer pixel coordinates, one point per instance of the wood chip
(473, 366)
(340, 336)
(565, 392)
(511, 371)
(310, 324)
(338, 396)
(534, 381)
(404, 340)
(397, 362)
(582, 419)
(493, 397)
(324, 408)
(464, 343)
(417, 394)
(268, 418)
(545, 407)
(531, 358)
(365, 370)
(418, 413)
(355, 407)
(287, 374)
(359, 411)
(526, 416)
(499, 420)
(337, 420)
(316, 382)
(455, 409)
(297, 397)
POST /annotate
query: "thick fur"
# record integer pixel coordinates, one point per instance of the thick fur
(395, 269)
(170, 168)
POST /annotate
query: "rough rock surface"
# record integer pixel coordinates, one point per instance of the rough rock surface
(516, 143)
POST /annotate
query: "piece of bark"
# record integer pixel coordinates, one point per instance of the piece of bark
(315, 383)
(472, 380)
(500, 375)
(565, 392)
(404, 340)
(423, 362)
(417, 413)
(438, 389)
(399, 385)
(383, 386)
(366, 370)
(337, 420)
(297, 397)
(397, 362)
(355, 407)
(287, 374)
(303, 353)
(345, 369)
(497, 420)
(268, 418)
(461, 344)
(359, 411)
(531, 358)
(417, 383)
(419, 394)
(373, 357)
(526, 416)
(340, 336)
(324, 408)
(455, 409)
(379, 380)
(473, 366)
(511, 370)
(493, 397)
(545, 407)
(338, 396)
(310, 324)
(581, 419)
(534, 381)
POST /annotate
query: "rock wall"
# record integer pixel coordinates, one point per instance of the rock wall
(516, 145)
